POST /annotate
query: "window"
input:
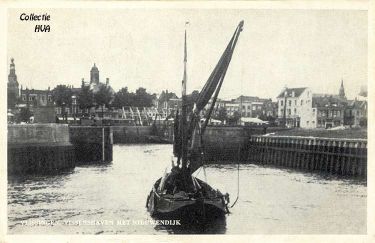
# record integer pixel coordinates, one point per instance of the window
(313, 122)
(281, 103)
(282, 111)
(289, 112)
(301, 102)
(314, 111)
(254, 108)
(49, 98)
(307, 123)
(295, 102)
(290, 103)
(24, 97)
(295, 111)
(259, 107)
(30, 98)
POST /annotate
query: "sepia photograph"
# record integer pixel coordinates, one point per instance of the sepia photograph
(185, 119)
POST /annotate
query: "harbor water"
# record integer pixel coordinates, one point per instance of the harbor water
(111, 198)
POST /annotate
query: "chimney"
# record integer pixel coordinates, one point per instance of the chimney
(107, 81)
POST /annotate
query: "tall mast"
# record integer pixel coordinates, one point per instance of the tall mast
(184, 80)
(183, 127)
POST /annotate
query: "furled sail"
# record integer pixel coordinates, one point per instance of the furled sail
(187, 125)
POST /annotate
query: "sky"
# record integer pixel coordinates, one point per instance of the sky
(144, 47)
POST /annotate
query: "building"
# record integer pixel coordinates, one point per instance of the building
(95, 85)
(252, 106)
(270, 109)
(36, 97)
(13, 85)
(295, 108)
(328, 110)
(167, 103)
(356, 113)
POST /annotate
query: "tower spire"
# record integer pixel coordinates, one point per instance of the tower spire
(342, 89)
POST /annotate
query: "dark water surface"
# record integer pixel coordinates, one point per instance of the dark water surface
(110, 199)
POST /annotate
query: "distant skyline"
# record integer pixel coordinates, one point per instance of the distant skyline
(144, 48)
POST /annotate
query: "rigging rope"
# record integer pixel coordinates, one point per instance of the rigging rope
(238, 178)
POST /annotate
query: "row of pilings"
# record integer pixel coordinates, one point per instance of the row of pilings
(344, 157)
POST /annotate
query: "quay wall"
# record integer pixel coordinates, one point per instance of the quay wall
(343, 157)
(92, 144)
(224, 143)
(39, 148)
(131, 134)
(49, 148)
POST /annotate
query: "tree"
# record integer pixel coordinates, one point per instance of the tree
(24, 115)
(235, 118)
(142, 98)
(85, 98)
(62, 96)
(165, 96)
(123, 98)
(222, 114)
(103, 97)
(194, 95)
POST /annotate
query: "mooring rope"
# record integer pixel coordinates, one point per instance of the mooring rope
(238, 178)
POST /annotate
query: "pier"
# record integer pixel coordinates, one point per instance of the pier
(50, 148)
(39, 148)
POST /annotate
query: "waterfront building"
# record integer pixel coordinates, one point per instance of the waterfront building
(167, 103)
(356, 113)
(232, 108)
(36, 97)
(295, 108)
(298, 107)
(328, 110)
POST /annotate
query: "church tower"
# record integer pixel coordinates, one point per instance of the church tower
(13, 86)
(94, 75)
(342, 90)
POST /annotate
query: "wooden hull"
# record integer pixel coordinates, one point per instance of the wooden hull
(188, 209)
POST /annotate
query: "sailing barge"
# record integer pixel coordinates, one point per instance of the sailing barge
(178, 194)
